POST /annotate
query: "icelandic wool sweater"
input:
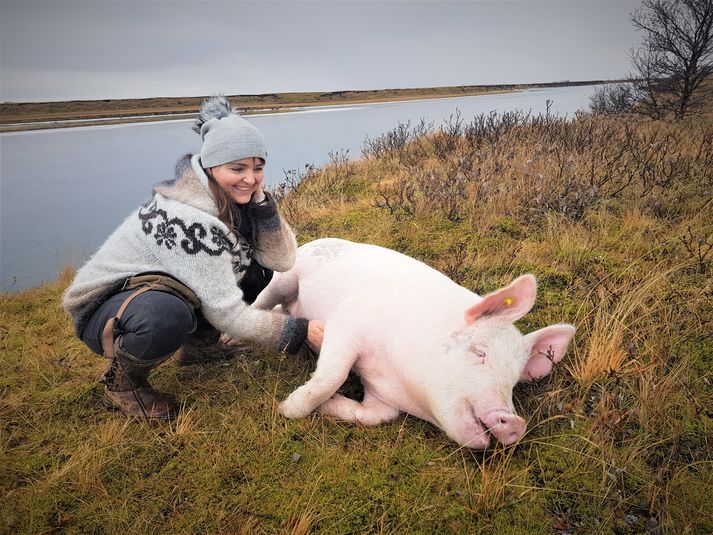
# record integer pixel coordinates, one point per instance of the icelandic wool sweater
(178, 232)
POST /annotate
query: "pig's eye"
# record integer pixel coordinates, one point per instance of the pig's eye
(479, 355)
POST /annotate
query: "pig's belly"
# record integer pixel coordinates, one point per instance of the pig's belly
(382, 380)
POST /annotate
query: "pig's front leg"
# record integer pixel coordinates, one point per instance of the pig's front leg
(371, 411)
(337, 356)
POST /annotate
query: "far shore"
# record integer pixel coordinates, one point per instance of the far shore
(246, 112)
(25, 116)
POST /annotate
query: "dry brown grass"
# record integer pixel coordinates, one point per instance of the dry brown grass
(626, 312)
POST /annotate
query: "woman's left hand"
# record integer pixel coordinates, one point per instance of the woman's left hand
(258, 195)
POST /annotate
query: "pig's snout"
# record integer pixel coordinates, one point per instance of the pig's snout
(507, 427)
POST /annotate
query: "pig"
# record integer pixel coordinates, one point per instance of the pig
(420, 343)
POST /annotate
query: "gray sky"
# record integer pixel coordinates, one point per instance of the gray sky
(63, 50)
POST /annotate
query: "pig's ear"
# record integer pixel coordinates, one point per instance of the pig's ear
(509, 303)
(547, 347)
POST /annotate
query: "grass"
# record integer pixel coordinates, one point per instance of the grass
(613, 215)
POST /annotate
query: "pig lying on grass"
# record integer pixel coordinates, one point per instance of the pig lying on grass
(420, 343)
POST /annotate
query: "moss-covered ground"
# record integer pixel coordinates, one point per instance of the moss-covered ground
(613, 216)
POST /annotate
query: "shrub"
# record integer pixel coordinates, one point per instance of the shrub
(612, 99)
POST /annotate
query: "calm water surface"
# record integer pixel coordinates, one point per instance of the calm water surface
(63, 191)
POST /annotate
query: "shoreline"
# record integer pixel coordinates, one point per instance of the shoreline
(255, 112)
(20, 117)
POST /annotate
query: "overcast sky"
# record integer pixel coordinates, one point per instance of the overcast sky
(92, 49)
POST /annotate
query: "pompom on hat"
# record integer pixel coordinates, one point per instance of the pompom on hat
(227, 137)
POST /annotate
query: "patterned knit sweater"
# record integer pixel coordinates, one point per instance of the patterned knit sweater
(178, 232)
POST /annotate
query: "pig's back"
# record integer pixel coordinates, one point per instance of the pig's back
(331, 271)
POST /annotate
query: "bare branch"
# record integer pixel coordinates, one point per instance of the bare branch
(675, 56)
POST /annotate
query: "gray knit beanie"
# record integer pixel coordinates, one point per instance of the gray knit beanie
(226, 136)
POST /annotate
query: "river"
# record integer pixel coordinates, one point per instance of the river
(63, 191)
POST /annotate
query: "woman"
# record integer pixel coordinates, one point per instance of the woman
(184, 267)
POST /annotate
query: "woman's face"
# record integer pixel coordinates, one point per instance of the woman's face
(241, 178)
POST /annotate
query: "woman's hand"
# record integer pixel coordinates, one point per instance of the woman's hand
(315, 334)
(258, 195)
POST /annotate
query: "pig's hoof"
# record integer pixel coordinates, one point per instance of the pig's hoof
(292, 410)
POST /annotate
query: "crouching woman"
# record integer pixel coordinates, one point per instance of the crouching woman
(183, 268)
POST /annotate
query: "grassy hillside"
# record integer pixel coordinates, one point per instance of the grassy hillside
(613, 216)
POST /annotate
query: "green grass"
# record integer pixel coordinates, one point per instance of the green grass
(619, 436)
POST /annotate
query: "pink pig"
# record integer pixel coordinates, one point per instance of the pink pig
(420, 343)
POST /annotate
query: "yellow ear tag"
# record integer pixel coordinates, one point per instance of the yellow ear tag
(508, 301)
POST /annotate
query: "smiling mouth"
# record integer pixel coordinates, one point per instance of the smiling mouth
(241, 188)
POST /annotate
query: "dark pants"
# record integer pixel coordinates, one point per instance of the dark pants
(154, 324)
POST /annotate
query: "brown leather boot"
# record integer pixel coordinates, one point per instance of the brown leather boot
(126, 387)
(204, 347)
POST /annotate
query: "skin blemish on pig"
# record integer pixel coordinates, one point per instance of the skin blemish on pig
(465, 344)
(326, 251)
(460, 341)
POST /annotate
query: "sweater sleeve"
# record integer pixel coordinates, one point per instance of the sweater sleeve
(275, 243)
(207, 267)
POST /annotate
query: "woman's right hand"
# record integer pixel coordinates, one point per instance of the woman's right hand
(315, 334)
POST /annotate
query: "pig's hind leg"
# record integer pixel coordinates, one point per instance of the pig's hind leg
(371, 411)
(338, 355)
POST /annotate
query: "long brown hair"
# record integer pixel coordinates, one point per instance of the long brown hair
(226, 209)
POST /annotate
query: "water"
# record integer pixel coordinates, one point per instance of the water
(63, 191)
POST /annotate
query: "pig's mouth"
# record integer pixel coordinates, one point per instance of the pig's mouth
(504, 425)
(477, 430)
